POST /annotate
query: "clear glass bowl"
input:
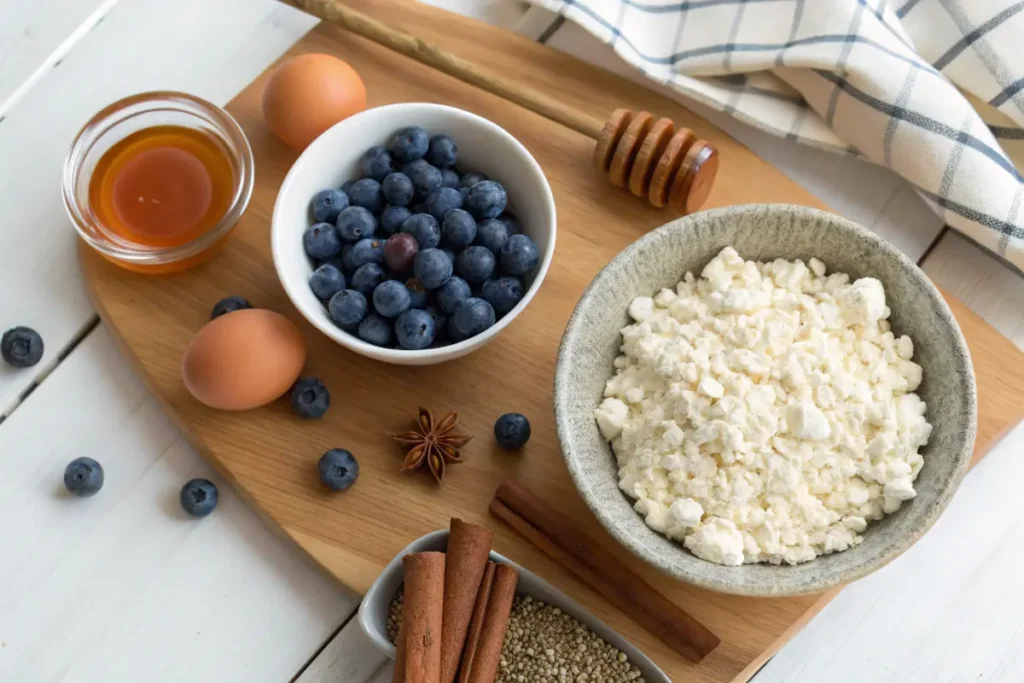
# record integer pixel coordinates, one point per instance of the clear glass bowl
(127, 116)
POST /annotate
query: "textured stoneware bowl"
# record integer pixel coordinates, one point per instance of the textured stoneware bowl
(764, 232)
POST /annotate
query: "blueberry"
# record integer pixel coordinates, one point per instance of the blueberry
(321, 241)
(355, 223)
(486, 199)
(410, 168)
(367, 194)
(519, 255)
(399, 252)
(442, 200)
(450, 253)
(432, 267)
(338, 469)
(391, 298)
(345, 260)
(452, 292)
(440, 321)
(199, 497)
(83, 476)
(366, 278)
(398, 189)
(392, 218)
(414, 329)
(347, 185)
(453, 333)
(470, 179)
(326, 281)
(347, 307)
(475, 264)
(464, 191)
(449, 178)
(377, 163)
(417, 293)
(310, 398)
(492, 233)
(510, 222)
(375, 330)
(367, 250)
(327, 204)
(512, 431)
(425, 179)
(441, 151)
(458, 229)
(424, 228)
(503, 294)
(228, 304)
(409, 144)
(472, 316)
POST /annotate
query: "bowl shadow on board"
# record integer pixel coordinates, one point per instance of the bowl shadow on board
(373, 611)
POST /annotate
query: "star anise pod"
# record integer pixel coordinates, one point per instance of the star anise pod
(433, 444)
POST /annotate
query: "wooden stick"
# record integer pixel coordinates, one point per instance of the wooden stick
(453, 65)
(557, 536)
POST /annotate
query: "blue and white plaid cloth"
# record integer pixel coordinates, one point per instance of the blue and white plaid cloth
(933, 89)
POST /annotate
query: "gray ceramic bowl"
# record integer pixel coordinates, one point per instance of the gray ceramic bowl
(763, 232)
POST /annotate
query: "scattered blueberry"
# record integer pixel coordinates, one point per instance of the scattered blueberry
(367, 278)
(442, 200)
(199, 497)
(310, 398)
(367, 194)
(502, 294)
(449, 178)
(452, 292)
(432, 268)
(228, 304)
(519, 255)
(424, 228)
(512, 431)
(425, 179)
(347, 307)
(414, 329)
(83, 476)
(472, 316)
(409, 144)
(470, 179)
(486, 199)
(510, 222)
(398, 189)
(492, 233)
(441, 151)
(417, 293)
(326, 281)
(458, 229)
(355, 223)
(391, 298)
(338, 469)
(375, 329)
(321, 241)
(327, 204)
(392, 218)
(475, 264)
(377, 163)
(399, 252)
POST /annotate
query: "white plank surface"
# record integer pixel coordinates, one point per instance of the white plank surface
(350, 657)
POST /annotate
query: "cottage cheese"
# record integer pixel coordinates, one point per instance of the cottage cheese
(765, 412)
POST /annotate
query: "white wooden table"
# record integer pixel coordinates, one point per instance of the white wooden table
(123, 584)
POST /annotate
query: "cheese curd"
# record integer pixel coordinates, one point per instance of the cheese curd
(764, 412)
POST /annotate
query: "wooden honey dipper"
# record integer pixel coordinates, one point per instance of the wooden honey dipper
(651, 157)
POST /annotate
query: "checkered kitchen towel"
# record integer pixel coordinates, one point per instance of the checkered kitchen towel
(933, 89)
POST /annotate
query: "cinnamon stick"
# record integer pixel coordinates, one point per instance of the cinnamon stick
(558, 536)
(469, 546)
(476, 624)
(480, 664)
(418, 656)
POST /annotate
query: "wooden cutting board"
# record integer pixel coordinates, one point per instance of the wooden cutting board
(271, 456)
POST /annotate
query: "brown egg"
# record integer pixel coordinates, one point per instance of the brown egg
(243, 359)
(308, 94)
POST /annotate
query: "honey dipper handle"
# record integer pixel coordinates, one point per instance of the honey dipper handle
(465, 70)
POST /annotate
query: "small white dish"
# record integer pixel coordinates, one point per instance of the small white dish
(373, 612)
(336, 156)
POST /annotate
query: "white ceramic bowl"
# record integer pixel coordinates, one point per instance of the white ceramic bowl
(336, 156)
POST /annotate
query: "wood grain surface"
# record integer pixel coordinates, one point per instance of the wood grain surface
(271, 455)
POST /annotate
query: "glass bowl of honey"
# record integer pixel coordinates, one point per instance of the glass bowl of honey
(155, 182)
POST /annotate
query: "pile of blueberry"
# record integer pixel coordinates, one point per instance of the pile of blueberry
(416, 254)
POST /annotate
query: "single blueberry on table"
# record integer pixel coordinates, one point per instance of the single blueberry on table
(458, 230)
(375, 329)
(367, 194)
(321, 241)
(391, 219)
(492, 233)
(83, 477)
(399, 252)
(424, 228)
(414, 329)
(512, 431)
(409, 144)
(472, 316)
(391, 298)
(511, 222)
(450, 178)
(442, 200)
(347, 307)
(502, 294)
(338, 469)
(452, 292)
(432, 268)
(519, 255)
(425, 179)
(486, 199)
(355, 223)
(398, 189)
(326, 281)
(470, 179)
(229, 304)
(418, 294)
(199, 497)
(366, 278)
(377, 163)
(475, 264)
(327, 204)
(441, 151)
(310, 398)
